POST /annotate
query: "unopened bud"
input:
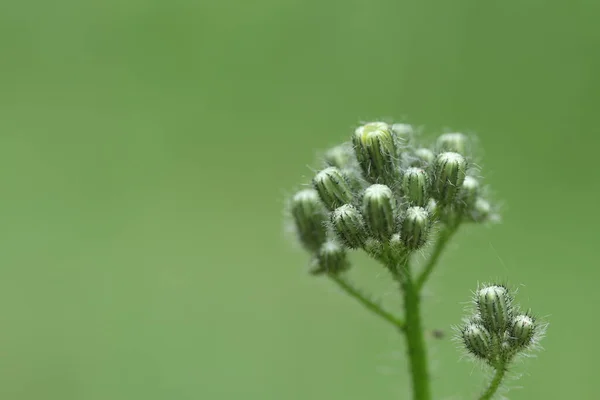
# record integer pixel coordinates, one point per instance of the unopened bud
(415, 185)
(309, 216)
(495, 307)
(455, 142)
(403, 131)
(340, 156)
(332, 258)
(481, 210)
(522, 329)
(349, 226)
(333, 187)
(469, 191)
(449, 175)
(415, 227)
(477, 340)
(432, 207)
(423, 156)
(376, 152)
(379, 209)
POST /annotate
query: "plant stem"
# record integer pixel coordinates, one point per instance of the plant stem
(365, 301)
(445, 235)
(495, 383)
(415, 341)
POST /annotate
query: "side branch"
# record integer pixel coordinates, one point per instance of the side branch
(366, 302)
(439, 247)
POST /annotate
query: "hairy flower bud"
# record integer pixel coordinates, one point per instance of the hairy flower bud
(349, 226)
(309, 216)
(522, 329)
(477, 339)
(376, 152)
(481, 210)
(379, 208)
(432, 207)
(332, 258)
(340, 156)
(403, 131)
(415, 186)
(415, 227)
(423, 156)
(449, 175)
(495, 307)
(333, 187)
(469, 191)
(455, 142)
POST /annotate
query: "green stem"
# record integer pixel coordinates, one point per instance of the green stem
(365, 301)
(495, 383)
(415, 340)
(441, 243)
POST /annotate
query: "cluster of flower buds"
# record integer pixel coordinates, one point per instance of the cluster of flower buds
(384, 188)
(498, 331)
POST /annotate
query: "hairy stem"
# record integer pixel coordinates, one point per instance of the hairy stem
(495, 383)
(415, 340)
(365, 301)
(444, 236)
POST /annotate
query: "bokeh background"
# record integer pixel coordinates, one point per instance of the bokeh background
(147, 147)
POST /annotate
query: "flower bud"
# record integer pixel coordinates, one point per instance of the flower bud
(379, 207)
(495, 308)
(415, 227)
(376, 152)
(449, 175)
(477, 340)
(403, 131)
(455, 142)
(332, 258)
(424, 156)
(469, 191)
(309, 216)
(333, 187)
(349, 226)
(432, 207)
(415, 185)
(522, 329)
(340, 156)
(481, 210)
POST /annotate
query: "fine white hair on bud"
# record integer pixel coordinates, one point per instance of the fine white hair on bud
(333, 187)
(415, 227)
(477, 340)
(340, 156)
(376, 151)
(481, 210)
(449, 174)
(309, 216)
(332, 258)
(403, 131)
(379, 209)
(469, 191)
(494, 304)
(522, 330)
(349, 225)
(415, 186)
(454, 142)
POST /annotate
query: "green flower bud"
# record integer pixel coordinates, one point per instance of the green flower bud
(332, 258)
(469, 191)
(309, 216)
(379, 208)
(477, 340)
(415, 185)
(455, 142)
(403, 131)
(481, 210)
(333, 187)
(449, 175)
(415, 228)
(522, 330)
(341, 156)
(376, 152)
(495, 307)
(431, 207)
(423, 157)
(349, 226)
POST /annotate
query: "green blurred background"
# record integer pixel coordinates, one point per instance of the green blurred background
(147, 147)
